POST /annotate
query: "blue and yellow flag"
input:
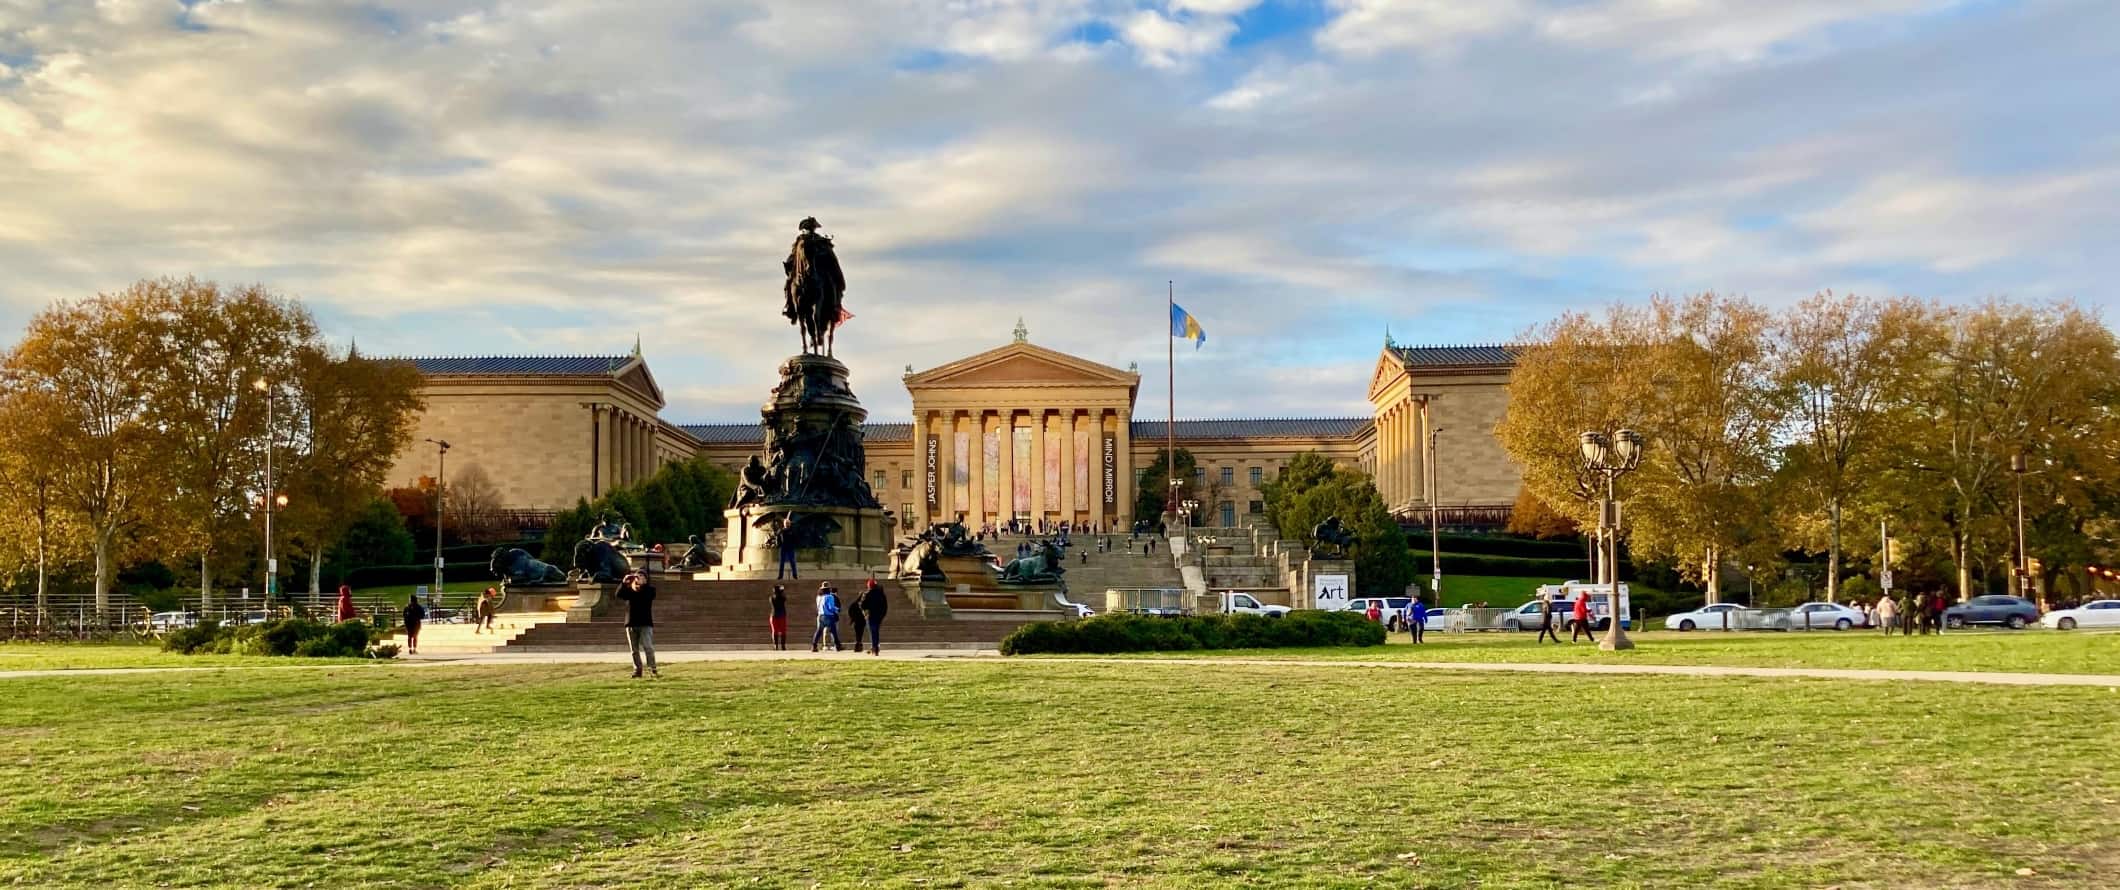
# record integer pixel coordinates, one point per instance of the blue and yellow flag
(1186, 327)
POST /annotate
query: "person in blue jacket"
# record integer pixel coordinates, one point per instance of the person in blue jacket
(1416, 617)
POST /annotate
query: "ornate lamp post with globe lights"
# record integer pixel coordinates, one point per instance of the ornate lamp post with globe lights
(1613, 456)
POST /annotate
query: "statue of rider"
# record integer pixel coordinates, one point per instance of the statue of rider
(814, 287)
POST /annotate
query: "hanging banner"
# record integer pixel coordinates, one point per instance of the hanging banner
(1081, 471)
(1022, 482)
(961, 474)
(1052, 471)
(990, 472)
(933, 463)
(1110, 457)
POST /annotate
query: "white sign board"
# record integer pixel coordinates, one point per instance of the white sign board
(1329, 592)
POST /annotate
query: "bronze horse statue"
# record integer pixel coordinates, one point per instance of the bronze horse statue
(814, 288)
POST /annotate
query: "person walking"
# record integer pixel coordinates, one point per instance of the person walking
(1935, 616)
(415, 615)
(875, 604)
(827, 618)
(1416, 618)
(1921, 612)
(778, 622)
(482, 613)
(787, 558)
(1579, 617)
(856, 622)
(640, 621)
(1887, 613)
(1545, 619)
(346, 612)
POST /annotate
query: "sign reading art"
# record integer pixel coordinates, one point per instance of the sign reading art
(934, 473)
(1110, 458)
(1329, 592)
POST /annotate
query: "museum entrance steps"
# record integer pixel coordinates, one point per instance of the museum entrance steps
(463, 639)
(732, 615)
(1244, 558)
(1116, 569)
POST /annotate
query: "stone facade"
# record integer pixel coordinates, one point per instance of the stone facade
(551, 431)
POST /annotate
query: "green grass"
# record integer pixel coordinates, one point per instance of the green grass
(1498, 591)
(76, 656)
(1046, 774)
(2007, 651)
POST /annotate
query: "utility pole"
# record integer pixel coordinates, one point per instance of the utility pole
(441, 475)
(266, 498)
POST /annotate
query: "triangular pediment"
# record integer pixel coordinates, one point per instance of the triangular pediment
(1022, 364)
(1389, 368)
(634, 375)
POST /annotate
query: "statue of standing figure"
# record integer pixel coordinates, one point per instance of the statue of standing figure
(814, 288)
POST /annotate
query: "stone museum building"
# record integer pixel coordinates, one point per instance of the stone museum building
(1015, 432)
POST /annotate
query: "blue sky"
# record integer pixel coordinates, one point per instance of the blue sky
(560, 176)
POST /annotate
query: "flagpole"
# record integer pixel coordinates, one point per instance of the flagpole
(1170, 424)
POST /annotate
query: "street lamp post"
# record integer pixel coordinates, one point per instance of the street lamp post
(266, 498)
(1613, 457)
(1435, 525)
(2024, 563)
(441, 475)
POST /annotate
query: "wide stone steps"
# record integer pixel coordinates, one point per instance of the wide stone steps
(734, 614)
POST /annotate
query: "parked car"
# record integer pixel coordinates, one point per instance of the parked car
(2096, 613)
(1234, 603)
(1821, 616)
(162, 622)
(1394, 608)
(1714, 616)
(1525, 617)
(2013, 612)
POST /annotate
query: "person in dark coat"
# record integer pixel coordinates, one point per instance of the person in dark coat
(874, 605)
(856, 622)
(640, 621)
(778, 623)
(414, 615)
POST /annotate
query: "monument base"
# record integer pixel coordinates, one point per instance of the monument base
(859, 546)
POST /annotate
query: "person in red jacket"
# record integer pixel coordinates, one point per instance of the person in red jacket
(1580, 617)
(346, 612)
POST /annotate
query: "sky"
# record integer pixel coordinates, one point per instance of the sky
(547, 177)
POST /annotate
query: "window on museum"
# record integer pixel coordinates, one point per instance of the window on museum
(1200, 473)
(881, 480)
(908, 474)
(1229, 514)
(1257, 475)
(1256, 508)
(1229, 475)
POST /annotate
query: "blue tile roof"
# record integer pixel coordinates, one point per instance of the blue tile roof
(1489, 354)
(1275, 428)
(520, 365)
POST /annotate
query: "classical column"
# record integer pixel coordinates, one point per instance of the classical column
(1422, 423)
(1066, 420)
(1387, 452)
(611, 461)
(1126, 482)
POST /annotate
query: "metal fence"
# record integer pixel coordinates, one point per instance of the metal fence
(75, 617)
(1148, 600)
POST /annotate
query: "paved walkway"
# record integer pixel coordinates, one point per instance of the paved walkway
(1996, 678)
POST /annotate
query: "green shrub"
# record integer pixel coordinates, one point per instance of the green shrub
(189, 640)
(1125, 632)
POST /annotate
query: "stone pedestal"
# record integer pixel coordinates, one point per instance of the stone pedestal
(859, 544)
(809, 485)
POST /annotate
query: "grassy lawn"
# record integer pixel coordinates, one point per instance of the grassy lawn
(2014, 651)
(75, 656)
(1498, 591)
(1045, 774)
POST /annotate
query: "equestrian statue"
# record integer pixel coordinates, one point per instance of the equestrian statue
(814, 288)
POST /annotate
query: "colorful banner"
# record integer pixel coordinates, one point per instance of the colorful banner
(933, 463)
(990, 440)
(1052, 471)
(1081, 470)
(1110, 473)
(1023, 471)
(961, 473)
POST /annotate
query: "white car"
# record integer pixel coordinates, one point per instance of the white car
(1714, 616)
(1392, 607)
(1821, 616)
(2096, 613)
(1234, 603)
(162, 622)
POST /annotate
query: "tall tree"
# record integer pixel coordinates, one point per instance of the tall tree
(94, 363)
(1152, 499)
(1844, 367)
(213, 349)
(31, 439)
(349, 418)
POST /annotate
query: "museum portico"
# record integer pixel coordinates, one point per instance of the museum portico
(1019, 431)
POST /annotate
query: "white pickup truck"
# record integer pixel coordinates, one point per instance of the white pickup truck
(1234, 603)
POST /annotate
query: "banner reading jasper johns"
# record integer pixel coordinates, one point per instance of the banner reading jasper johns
(934, 473)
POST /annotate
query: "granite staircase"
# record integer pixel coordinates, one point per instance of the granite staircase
(732, 615)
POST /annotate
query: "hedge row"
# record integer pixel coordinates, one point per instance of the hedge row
(288, 636)
(1462, 564)
(1501, 545)
(1125, 632)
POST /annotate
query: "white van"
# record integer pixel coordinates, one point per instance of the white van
(1525, 617)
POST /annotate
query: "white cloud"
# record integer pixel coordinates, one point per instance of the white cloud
(1366, 27)
(1168, 43)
